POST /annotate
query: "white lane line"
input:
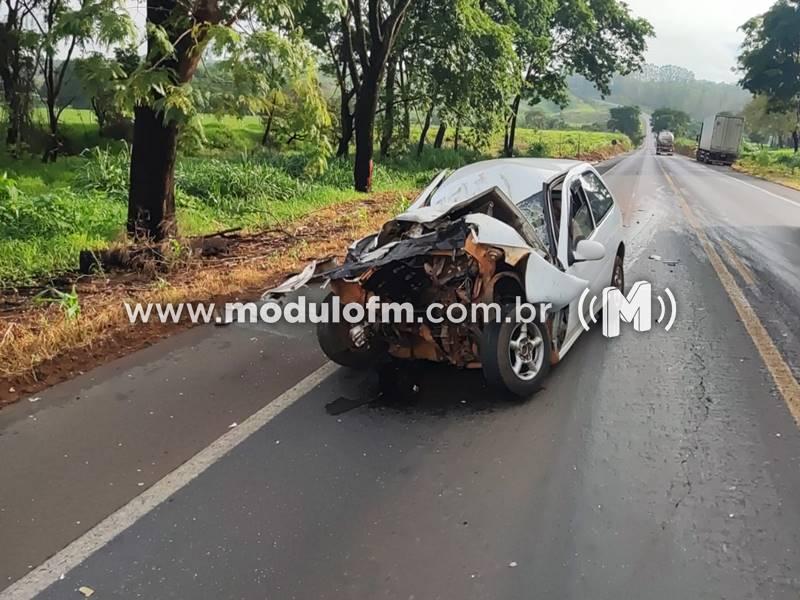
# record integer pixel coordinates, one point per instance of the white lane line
(760, 189)
(750, 185)
(98, 536)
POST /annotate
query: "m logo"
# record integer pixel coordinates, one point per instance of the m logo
(636, 308)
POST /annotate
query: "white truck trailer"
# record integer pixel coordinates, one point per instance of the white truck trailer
(720, 139)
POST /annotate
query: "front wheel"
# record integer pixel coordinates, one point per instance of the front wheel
(618, 275)
(515, 354)
(336, 343)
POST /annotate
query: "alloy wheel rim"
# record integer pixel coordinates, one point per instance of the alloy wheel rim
(526, 351)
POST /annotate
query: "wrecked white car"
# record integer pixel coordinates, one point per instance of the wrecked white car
(541, 230)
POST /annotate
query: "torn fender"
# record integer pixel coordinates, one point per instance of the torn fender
(546, 283)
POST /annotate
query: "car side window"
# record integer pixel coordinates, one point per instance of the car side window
(581, 224)
(599, 197)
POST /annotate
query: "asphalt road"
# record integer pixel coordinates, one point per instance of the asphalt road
(655, 465)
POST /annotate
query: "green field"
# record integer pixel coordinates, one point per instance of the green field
(49, 213)
(579, 111)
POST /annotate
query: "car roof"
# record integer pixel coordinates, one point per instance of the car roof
(518, 178)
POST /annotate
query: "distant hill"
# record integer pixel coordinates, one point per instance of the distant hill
(655, 87)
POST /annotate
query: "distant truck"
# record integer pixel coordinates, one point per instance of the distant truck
(665, 142)
(720, 139)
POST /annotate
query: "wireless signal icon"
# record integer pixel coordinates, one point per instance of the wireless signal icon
(635, 308)
(582, 313)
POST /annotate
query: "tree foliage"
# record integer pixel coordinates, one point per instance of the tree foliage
(668, 86)
(764, 125)
(73, 26)
(670, 119)
(461, 65)
(770, 57)
(628, 120)
(593, 38)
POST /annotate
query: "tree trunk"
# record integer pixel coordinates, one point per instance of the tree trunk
(364, 121)
(457, 135)
(406, 130)
(151, 202)
(388, 114)
(15, 118)
(346, 120)
(437, 143)
(512, 127)
(424, 133)
(151, 197)
(268, 128)
(51, 152)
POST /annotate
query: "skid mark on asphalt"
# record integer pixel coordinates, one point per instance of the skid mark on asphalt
(781, 374)
(736, 262)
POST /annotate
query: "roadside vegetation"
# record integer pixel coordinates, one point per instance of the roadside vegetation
(49, 214)
(779, 165)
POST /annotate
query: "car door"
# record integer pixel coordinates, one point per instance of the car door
(576, 223)
(608, 224)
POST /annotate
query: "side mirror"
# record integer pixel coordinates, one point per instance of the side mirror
(586, 250)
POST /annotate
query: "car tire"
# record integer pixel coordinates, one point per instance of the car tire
(515, 355)
(618, 274)
(335, 342)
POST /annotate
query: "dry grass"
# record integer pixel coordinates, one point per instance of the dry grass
(40, 345)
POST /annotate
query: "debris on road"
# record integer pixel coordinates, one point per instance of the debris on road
(655, 257)
(86, 591)
(512, 564)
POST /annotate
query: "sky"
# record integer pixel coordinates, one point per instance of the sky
(701, 35)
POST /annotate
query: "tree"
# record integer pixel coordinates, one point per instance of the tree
(274, 75)
(177, 35)
(669, 119)
(73, 27)
(770, 57)
(594, 38)
(324, 27)
(627, 120)
(460, 64)
(18, 66)
(371, 38)
(104, 81)
(763, 124)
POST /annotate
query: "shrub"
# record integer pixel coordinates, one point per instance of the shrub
(762, 158)
(105, 171)
(537, 150)
(236, 186)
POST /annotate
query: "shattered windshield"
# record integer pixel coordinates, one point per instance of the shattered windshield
(532, 209)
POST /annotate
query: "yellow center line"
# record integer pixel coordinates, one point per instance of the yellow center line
(737, 263)
(781, 374)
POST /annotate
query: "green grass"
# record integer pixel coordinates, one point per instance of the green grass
(781, 165)
(49, 213)
(554, 143)
(566, 143)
